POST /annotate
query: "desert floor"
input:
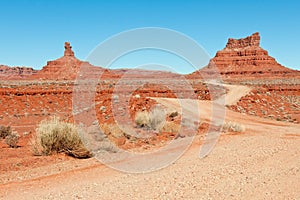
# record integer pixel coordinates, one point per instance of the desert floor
(261, 163)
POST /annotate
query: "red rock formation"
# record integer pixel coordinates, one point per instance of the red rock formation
(68, 50)
(250, 41)
(15, 72)
(68, 66)
(245, 57)
(241, 55)
(64, 68)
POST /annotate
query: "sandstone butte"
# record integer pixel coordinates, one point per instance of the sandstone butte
(243, 57)
(63, 68)
(68, 67)
(240, 57)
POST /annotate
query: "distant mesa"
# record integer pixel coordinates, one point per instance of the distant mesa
(7, 72)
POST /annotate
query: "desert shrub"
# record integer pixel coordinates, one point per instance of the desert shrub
(142, 119)
(233, 127)
(12, 140)
(157, 118)
(55, 136)
(153, 119)
(5, 131)
(170, 127)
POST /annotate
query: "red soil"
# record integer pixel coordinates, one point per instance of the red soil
(36, 95)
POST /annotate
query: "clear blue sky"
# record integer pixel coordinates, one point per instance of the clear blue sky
(33, 31)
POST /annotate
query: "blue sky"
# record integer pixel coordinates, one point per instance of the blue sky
(33, 32)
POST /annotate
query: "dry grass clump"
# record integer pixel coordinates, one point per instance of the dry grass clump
(5, 131)
(154, 119)
(233, 127)
(142, 119)
(55, 136)
(11, 137)
(157, 118)
(12, 140)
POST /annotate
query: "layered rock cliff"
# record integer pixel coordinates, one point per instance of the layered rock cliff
(243, 57)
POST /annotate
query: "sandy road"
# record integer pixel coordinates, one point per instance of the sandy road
(235, 92)
(262, 163)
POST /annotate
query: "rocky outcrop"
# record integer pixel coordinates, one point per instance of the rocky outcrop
(245, 54)
(250, 41)
(241, 55)
(245, 57)
(64, 68)
(68, 66)
(68, 50)
(7, 72)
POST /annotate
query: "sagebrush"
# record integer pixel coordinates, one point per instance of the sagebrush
(154, 119)
(55, 136)
(11, 138)
(5, 131)
(157, 118)
(142, 119)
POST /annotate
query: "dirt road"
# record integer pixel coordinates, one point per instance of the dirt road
(261, 163)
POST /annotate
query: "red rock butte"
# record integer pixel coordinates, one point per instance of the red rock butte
(65, 67)
(241, 58)
(245, 57)
(68, 66)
